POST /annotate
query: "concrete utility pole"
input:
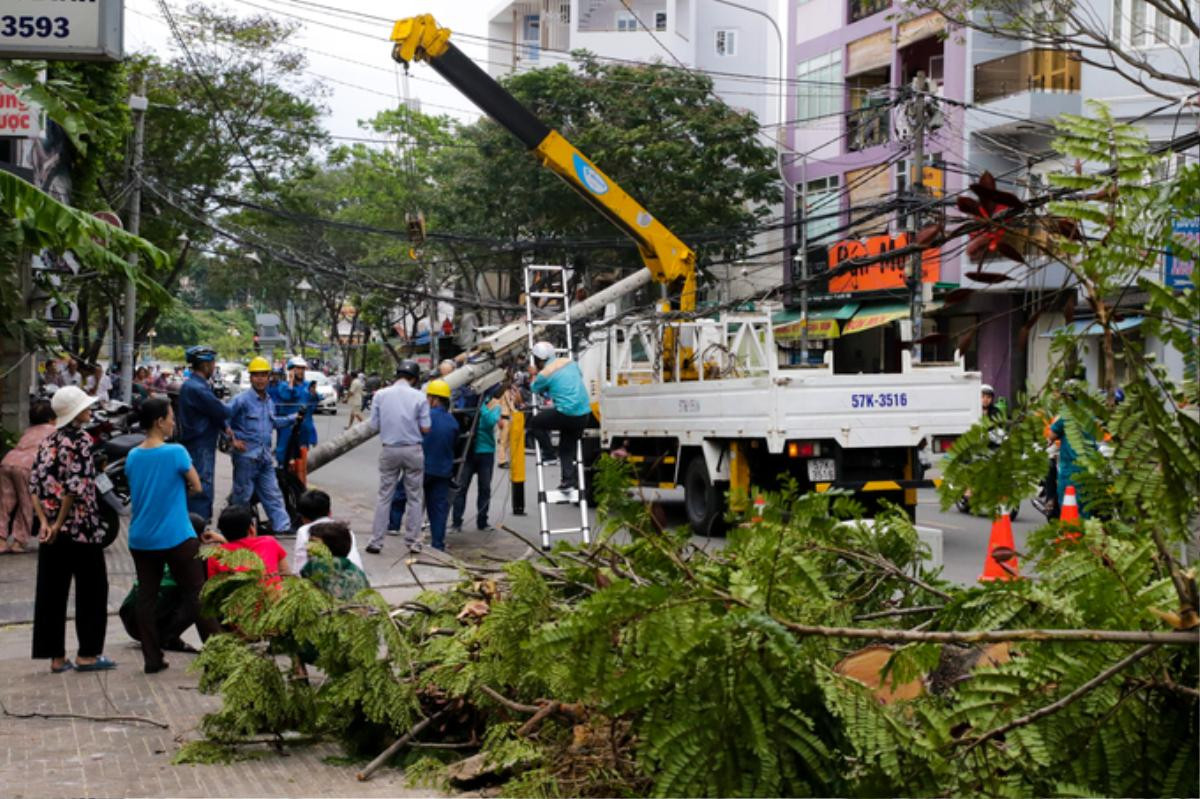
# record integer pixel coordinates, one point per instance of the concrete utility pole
(138, 104)
(916, 277)
(804, 260)
(432, 310)
(485, 372)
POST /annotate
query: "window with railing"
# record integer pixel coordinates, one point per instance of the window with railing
(861, 9)
(1037, 70)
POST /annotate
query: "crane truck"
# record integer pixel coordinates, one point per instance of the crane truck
(705, 402)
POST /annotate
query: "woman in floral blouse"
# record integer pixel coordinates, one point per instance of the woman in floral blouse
(63, 484)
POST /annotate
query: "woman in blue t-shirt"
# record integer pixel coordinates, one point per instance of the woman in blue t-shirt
(160, 532)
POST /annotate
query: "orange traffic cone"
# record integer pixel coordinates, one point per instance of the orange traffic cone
(1069, 516)
(1001, 560)
(760, 507)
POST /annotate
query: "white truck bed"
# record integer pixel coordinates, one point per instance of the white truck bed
(867, 410)
(779, 404)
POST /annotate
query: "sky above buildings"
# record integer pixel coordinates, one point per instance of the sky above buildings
(346, 49)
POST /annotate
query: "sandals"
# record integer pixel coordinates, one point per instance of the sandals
(66, 666)
(101, 663)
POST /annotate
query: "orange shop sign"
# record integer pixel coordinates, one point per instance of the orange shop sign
(887, 274)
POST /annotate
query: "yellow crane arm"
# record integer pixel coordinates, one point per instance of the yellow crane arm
(669, 260)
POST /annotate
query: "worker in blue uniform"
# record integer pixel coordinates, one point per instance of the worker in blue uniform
(202, 418)
(292, 396)
(254, 420)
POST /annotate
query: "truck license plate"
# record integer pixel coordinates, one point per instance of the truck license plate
(822, 470)
(104, 483)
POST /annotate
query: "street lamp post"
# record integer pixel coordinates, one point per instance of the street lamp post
(303, 287)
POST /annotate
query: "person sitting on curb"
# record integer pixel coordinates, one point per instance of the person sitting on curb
(237, 532)
(314, 508)
(340, 576)
(169, 598)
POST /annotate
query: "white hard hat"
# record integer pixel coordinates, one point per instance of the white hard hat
(68, 402)
(297, 361)
(543, 350)
(986, 389)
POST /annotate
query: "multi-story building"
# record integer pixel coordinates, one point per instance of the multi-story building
(1016, 91)
(852, 167)
(739, 44)
(997, 98)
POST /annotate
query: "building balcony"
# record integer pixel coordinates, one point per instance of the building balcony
(861, 9)
(1037, 70)
(867, 127)
(1036, 85)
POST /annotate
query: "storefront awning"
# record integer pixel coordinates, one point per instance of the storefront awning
(1089, 327)
(822, 322)
(870, 316)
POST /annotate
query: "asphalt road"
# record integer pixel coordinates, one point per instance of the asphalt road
(351, 481)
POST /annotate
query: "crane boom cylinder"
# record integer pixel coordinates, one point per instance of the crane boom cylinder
(507, 339)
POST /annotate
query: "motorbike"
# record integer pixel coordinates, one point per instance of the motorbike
(996, 437)
(115, 433)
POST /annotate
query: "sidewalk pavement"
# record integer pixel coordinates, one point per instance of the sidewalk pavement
(66, 757)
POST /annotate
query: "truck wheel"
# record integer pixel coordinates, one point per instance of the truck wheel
(705, 503)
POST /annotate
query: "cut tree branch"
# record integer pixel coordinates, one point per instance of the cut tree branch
(383, 757)
(1191, 638)
(85, 717)
(1059, 704)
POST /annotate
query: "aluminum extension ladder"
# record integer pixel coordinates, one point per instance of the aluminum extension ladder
(546, 290)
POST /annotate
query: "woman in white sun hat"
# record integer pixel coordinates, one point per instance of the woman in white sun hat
(63, 485)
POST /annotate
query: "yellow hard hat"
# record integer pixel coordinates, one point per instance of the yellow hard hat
(438, 388)
(259, 364)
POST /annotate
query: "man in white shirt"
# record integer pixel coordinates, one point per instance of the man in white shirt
(314, 509)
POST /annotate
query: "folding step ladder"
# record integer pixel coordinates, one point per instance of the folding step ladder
(546, 291)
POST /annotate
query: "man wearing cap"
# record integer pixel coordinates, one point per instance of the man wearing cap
(292, 396)
(253, 420)
(202, 417)
(561, 379)
(438, 448)
(400, 415)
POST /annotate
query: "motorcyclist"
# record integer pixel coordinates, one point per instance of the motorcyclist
(987, 398)
(202, 417)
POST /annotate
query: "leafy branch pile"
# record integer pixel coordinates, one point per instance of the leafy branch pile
(653, 666)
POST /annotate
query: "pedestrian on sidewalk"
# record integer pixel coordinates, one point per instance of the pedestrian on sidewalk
(253, 422)
(63, 484)
(161, 533)
(478, 465)
(354, 399)
(202, 418)
(16, 503)
(400, 415)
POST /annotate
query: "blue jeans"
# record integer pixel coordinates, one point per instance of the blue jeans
(204, 458)
(478, 465)
(257, 476)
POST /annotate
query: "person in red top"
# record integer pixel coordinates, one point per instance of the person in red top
(236, 524)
